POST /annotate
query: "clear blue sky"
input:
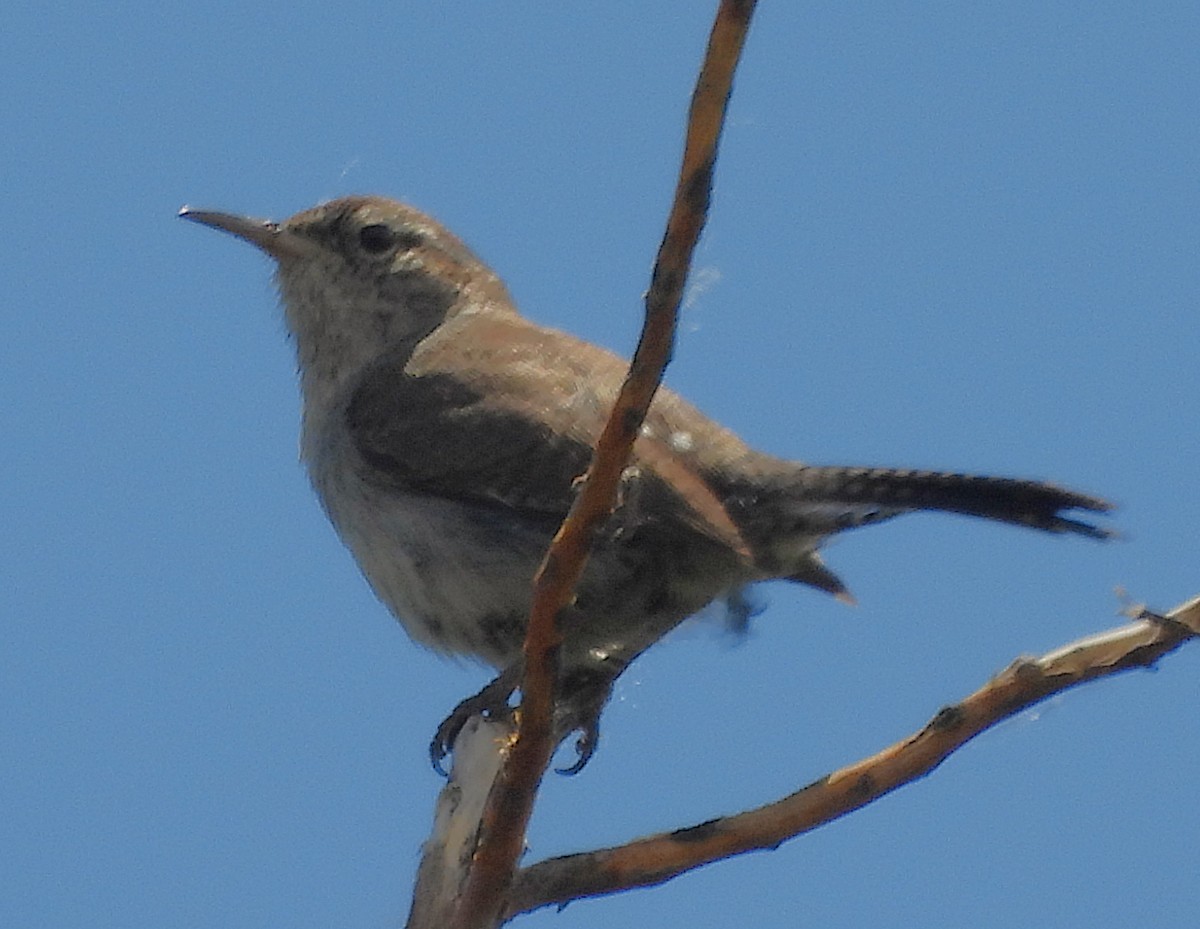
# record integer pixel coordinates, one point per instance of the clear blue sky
(945, 235)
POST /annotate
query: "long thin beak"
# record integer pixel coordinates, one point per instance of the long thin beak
(276, 241)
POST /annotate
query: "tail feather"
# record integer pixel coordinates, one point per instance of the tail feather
(848, 497)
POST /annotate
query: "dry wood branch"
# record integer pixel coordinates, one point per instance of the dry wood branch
(500, 835)
(1027, 681)
(479, 752)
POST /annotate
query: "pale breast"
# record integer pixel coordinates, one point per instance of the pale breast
(457, 575)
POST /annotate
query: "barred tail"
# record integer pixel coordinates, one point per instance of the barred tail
(856, 496)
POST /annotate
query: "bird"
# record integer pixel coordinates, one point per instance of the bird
(445, 434)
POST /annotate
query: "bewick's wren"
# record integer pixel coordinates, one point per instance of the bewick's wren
(443, 433)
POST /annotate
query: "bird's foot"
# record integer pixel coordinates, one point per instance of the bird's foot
(582, 700)
(491, 702)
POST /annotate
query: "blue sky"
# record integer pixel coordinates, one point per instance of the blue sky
(944, 235)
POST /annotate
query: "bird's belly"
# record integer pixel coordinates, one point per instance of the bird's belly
(457, 576)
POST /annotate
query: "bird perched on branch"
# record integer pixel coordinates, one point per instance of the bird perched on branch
(444, 434)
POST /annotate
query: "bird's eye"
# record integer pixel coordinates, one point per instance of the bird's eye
(375, 238)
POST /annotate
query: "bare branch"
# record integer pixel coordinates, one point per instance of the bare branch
(1027, 681)
(479, 752)
(502, 828)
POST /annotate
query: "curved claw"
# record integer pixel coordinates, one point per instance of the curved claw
(585, 747)
(585, 695)
(447, 732)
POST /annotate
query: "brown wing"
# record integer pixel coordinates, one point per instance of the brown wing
(496, 410)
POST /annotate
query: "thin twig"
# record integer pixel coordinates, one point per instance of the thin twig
(510, 805)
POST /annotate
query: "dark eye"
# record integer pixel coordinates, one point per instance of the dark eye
(375, 238)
